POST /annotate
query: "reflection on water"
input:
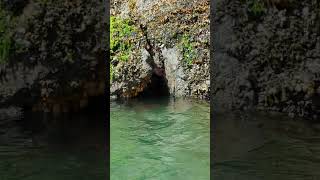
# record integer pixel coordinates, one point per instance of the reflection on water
(160, 139)
(44, 147)
(259, 146)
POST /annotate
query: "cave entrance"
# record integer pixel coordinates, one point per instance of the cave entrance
(158, 87)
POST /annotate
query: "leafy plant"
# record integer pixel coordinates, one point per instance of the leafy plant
(122, 34)
(187, 48)
(256, 7)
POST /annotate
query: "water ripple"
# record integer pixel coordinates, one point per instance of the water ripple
(161, 140)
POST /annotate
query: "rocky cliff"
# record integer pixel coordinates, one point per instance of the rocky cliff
(267, 56)
(160, 47)
(56, 55)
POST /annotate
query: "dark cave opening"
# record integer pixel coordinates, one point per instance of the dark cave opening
(158, 87)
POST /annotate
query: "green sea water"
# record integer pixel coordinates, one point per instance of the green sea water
(160, 139)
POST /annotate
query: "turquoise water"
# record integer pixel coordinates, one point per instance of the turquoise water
(160, 139)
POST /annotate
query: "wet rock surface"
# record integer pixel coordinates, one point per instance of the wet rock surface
(10, 114)
(268, 59)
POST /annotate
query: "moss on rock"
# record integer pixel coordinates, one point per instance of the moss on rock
(123, 39)
(5, 37)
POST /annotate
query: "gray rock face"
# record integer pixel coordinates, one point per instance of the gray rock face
(184, 81)
(58, 51)
(10, 113)
(163, 34)
(174, 71)
(225, 73)
(269, 60)
(18, 78)
(131, 78)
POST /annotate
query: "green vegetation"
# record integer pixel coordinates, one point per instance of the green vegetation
(69, 56)
(188, 50)
(122, 32)
(121, 37)
(256, 7)
(5, 39)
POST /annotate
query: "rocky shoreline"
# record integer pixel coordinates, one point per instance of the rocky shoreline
(56, 59)
(267, 57)
(170, 47)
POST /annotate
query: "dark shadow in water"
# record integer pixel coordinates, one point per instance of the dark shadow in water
(64, 146)
(65, 127)
(258, 146)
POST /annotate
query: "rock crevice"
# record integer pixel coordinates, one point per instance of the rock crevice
(172, 47)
